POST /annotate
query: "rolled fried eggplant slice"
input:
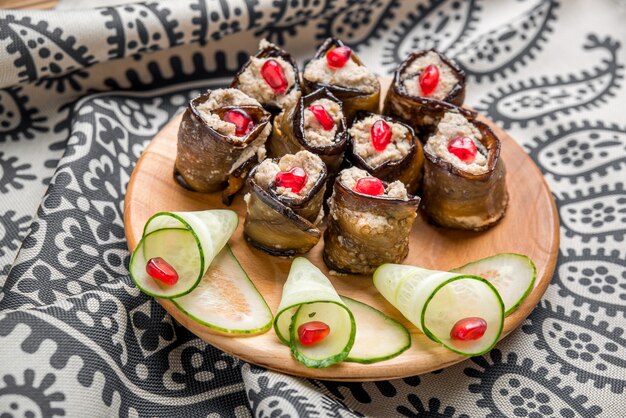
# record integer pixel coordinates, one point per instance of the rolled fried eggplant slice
(285, 204)
(464, 178)
(271, 77)
(369, 222)
(315, 124)
(386, 148)
(221, 135)
(337, 68)
(425, 86)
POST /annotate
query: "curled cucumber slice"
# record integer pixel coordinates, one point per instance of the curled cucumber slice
(188, 241)
(513, 275)
(308, 296)
(434, 301)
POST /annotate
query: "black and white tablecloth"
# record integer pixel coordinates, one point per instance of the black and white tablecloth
(84, 91)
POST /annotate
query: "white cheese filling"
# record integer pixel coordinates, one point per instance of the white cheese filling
(447, 79)
(453, 125)
(314, 133)
(220, 98)
(351, 75)
(362, 145)
(350, 176)
(312, 165)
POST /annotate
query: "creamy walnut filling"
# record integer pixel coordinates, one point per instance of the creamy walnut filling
(220, 98)
(351, 75)
(362, 144)
(447, 77)
(454, 125)
(350, 176)
(313, 166)
(314, 133)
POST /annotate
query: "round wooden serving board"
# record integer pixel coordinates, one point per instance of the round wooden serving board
(530, 227)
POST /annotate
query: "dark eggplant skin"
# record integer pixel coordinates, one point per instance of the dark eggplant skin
(408, 170)
(423, 113)
(456, 199)
(271, 51)
(353, 100)
(356, 247)
(280, 225)
(288, 134)
(205, 157)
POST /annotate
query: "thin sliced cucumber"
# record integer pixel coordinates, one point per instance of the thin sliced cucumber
(378, 336)
(189, 241)
(308, 296)
(226, 300)
(513, 275)
(435, 300)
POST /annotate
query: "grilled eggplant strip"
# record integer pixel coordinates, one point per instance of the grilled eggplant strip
(282, 225)
(408, 170)
(288, 135)
(353, 100)
(357, 247)
(457, 199)
(422, 112)
(206, 159)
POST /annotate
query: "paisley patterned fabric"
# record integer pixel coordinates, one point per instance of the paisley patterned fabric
(82, 93)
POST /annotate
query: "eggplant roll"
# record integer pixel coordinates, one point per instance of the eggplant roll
(366, 229)
(464, 178)
(271, 77)
(386, 148)
(221, 136)
(300, 129)
(353, 84)
(285, 204)
(421, 108)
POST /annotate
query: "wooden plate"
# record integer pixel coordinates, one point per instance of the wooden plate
(530, 227)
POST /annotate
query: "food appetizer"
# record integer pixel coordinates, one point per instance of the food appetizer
(221, 137)
(368, 224)
(271, 77)
(464, 177)
(285, 204)
(315, 124)
(387, 149)
(336, 67)
(424, 86)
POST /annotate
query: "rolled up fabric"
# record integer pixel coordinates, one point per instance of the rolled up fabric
(285, 204)
(369, 222)
(221, 136)
(464, 178)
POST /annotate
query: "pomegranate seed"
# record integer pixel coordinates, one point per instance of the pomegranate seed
(312, 332)
(161, 270)
(274, 76)
(463, 147)
(370, 186)
(322, 116)
(468, 329)
(380, 134)
(241, 119)
(428, 79)
(338, 57)
(294, 179)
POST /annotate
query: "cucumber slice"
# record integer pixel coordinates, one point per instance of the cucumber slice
(435, 300)
(307, 296)
(378, 336)
(226, 300)
(188, 241)
(513, 275)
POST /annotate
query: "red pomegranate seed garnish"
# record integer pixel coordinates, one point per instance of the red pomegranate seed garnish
(322, 116)
(312, 332)
(468, 329)
(161, 270)
(294, 179)
(338, 57)
(380, 133)
(462, 147)
(241, 119)
(370, 186)
(274, 76)
(428, 79)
